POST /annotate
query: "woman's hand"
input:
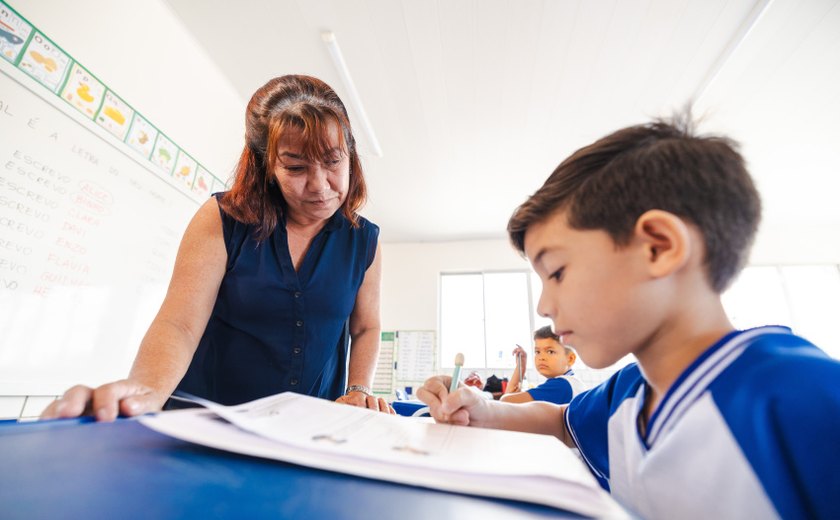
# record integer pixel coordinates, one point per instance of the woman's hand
(364, 400)
(124, 397)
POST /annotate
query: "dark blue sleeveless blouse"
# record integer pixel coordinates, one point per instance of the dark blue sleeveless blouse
(273, 329)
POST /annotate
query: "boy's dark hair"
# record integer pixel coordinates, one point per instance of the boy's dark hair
(661, 165)
(546, 333)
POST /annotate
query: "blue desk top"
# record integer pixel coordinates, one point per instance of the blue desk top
(83, 469)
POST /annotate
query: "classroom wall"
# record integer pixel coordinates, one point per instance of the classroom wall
(411, 271)
(143, 53)
(411, 274)
(170, 65)
(168, 77)
(796, 244)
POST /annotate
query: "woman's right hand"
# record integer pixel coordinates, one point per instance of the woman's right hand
(125, 397)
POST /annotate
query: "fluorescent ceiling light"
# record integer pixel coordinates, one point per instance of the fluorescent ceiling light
(737, 39)
(352, 93)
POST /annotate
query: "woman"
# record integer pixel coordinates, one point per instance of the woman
(273, 278)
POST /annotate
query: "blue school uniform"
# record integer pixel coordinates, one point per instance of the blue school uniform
(558, 390)
(751, 429)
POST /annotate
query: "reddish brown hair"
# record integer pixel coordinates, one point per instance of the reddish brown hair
(307, 106)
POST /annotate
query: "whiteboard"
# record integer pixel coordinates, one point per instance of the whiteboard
(89, 229)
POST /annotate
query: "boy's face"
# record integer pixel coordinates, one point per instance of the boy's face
(550, 358)
(601, 299)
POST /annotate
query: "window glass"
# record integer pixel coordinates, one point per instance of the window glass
(507, 320)
(756, 298)
(814, 293)
(484, 315)
(462, 319)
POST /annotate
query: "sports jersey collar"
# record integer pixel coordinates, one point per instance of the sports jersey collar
(566, 373)
(696, 378)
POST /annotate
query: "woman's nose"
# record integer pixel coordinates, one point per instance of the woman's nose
(318, 180)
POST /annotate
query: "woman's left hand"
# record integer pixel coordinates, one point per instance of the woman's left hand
(363, 400)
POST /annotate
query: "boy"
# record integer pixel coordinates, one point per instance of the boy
(634, 238)
(553, 361)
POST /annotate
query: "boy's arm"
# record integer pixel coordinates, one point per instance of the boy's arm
(466, 407)
(515, 383)
(517, 397)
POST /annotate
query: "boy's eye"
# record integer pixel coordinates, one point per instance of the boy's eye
(557, 275)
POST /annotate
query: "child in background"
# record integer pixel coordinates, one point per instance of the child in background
(635, 237)
(553, 361)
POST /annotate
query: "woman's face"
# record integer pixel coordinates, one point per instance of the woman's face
(314, 190)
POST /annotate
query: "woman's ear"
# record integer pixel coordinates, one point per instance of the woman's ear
(666, 241)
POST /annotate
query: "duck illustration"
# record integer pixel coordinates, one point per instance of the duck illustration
(84, 92)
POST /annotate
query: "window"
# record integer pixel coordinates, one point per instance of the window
(484, 316)
(805, 298)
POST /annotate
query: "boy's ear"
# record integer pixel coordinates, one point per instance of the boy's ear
(572, 357)
(665, 240)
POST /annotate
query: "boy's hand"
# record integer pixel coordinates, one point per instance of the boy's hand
(474, 380)
(465, 407)
(521, 357)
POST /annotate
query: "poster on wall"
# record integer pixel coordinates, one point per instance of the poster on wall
(84, 92)
(45, 62)
(383, 377)
(415, 355)
(115, 115)
(142, 136)
(14, 31)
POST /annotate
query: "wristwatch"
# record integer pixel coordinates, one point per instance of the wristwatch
(357, 388)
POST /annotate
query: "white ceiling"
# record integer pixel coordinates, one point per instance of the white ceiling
(475, 102)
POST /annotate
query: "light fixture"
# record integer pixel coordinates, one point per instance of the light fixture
(737, 39)
(350, 88)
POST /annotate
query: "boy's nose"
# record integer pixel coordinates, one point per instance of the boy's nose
(543, 308)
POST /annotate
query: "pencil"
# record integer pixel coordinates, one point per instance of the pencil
(456, 374)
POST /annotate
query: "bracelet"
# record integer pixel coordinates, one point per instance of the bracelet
(357, 388)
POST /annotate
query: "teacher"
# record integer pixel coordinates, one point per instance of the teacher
(276, 283)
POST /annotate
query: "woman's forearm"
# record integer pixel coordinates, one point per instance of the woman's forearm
(364, 352)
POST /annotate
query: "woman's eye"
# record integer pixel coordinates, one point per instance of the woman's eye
(557, 275)
(294, 169)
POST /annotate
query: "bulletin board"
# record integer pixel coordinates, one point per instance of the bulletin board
(406, 358)
(415, 357)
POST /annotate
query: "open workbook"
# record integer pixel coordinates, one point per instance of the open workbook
(323, 434)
